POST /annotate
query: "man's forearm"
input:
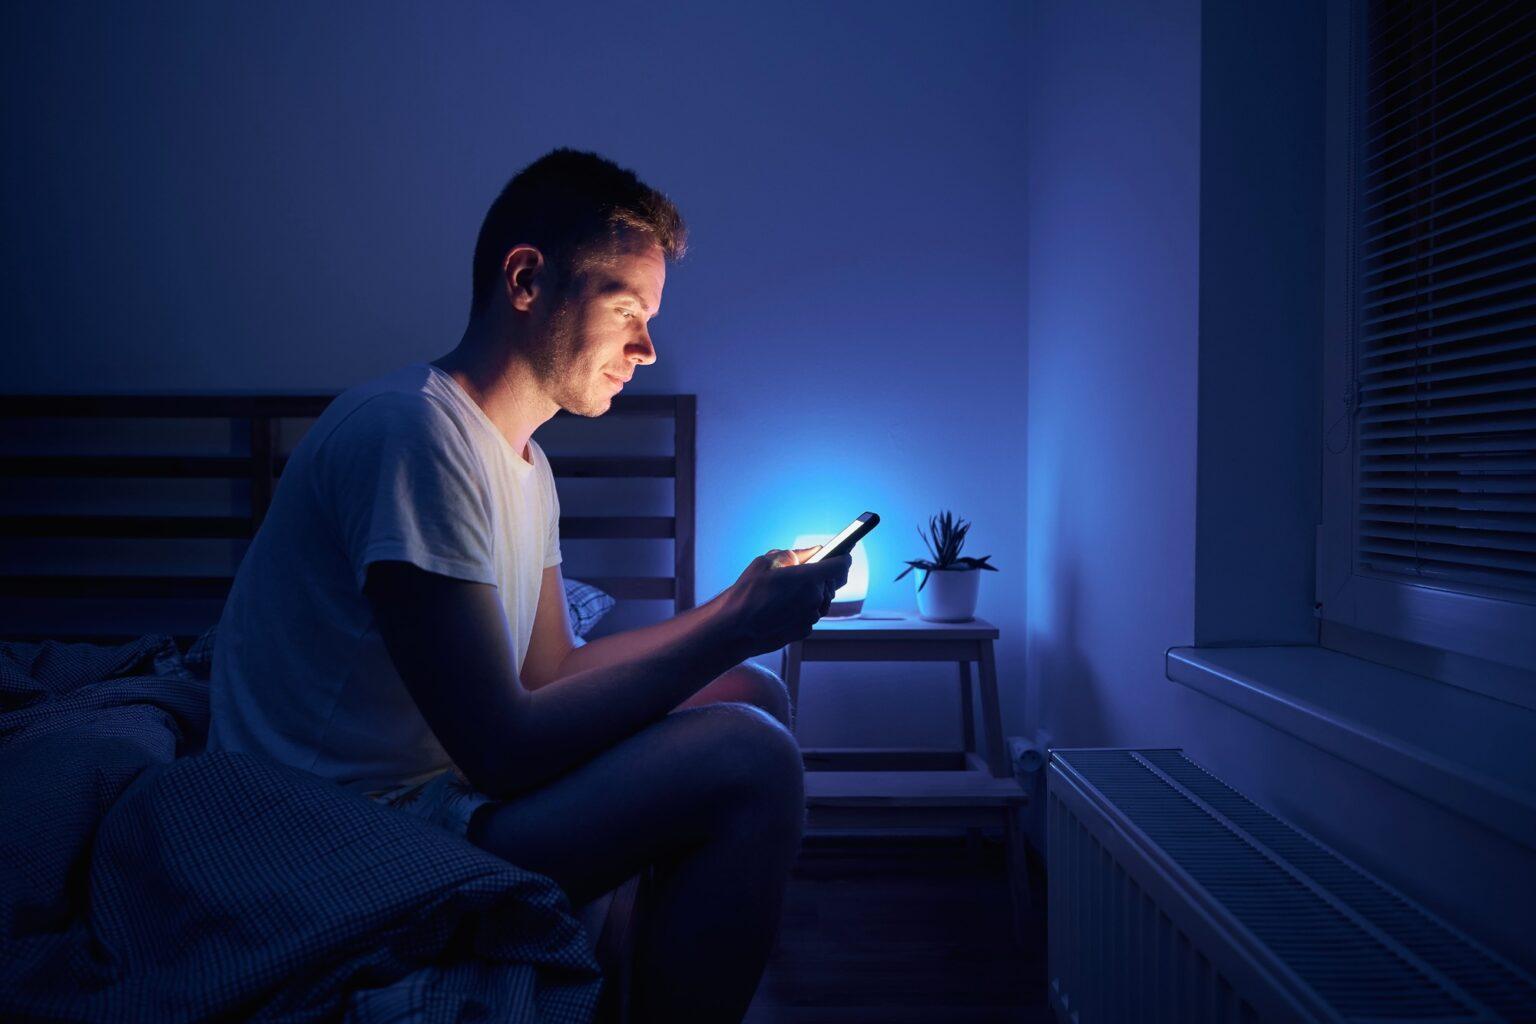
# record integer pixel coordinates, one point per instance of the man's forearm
(598, 702)
(632, 644)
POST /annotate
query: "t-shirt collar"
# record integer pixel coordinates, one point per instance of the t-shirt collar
(520, 464)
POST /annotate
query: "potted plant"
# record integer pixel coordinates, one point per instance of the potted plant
(954, 577)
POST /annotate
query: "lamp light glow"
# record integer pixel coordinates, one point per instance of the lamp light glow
(848, 602)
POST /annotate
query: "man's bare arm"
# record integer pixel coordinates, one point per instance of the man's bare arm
(641, 642)
(552, 636)
(448, 640)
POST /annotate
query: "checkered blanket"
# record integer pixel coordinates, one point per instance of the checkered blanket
(141, 879)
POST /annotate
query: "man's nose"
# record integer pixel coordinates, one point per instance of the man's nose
(645, 351)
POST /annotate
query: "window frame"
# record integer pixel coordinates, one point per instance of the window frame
(1472, 621)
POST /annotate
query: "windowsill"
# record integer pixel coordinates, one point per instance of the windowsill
(1472, 754)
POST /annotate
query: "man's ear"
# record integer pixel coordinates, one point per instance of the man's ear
(522, 274)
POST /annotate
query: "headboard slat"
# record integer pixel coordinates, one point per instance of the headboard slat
(613, 468)
(685, 433)
(150, 467)
(211, 407)
(115, 585)
(241, 527)
(175, 467)
(127, 527)
(254, 421)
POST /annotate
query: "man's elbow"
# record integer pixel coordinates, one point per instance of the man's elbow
(497, 762)
(510, 778)
(533, 682)
(534, 677)
(499, 779)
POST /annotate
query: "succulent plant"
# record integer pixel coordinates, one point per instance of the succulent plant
(945, 537)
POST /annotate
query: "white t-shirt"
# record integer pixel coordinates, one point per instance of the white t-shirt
(404, 468)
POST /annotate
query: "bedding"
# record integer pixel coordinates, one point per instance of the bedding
(144, 879)
(588, 604)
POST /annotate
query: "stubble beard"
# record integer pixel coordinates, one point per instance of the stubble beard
(556, 366)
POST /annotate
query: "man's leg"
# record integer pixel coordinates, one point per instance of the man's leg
(747, 683)
(713, 797)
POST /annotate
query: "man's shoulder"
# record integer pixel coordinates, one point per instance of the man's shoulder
(398, 403)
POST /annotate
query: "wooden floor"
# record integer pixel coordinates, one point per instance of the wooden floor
(902, 930)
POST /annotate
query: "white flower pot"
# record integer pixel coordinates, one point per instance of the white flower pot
(949, 595)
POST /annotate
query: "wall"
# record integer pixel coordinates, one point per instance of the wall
(1114, 178)
(285, 196)
(1261, 324)
(1174, 192)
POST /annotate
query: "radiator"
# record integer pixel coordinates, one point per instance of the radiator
(1175, 898)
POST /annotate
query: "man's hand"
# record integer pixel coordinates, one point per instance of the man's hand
(777, 599)
(797, 556)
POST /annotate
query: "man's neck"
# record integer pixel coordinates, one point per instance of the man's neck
(492, 372)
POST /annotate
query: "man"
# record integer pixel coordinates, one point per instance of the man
(399, 623)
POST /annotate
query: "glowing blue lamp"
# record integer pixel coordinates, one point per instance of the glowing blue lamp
(848, 602)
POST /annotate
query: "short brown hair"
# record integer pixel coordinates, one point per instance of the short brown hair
(566, 203)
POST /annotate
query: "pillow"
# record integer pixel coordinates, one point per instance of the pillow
(588, 604)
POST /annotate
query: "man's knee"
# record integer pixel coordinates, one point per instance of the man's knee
(751, 683)
(753, 758)
(700, 772)
(764, 689)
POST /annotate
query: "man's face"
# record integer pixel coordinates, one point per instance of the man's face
(599, 332)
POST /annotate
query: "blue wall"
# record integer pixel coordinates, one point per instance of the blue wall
(205, 196)
(1175, 183)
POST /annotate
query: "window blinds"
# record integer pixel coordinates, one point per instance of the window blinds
(1445, 358)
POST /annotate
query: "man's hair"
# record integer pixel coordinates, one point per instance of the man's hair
(569, 204)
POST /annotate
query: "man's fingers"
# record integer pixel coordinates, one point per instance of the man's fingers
(839, 566)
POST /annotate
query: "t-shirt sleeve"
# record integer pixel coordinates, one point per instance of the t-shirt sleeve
(404, 486)
(552, 530)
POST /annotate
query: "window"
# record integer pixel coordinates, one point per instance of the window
(1429, 455)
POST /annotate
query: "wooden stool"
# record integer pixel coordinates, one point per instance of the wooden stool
(882, 787)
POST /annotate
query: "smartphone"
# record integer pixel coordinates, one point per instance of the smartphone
(844, 541)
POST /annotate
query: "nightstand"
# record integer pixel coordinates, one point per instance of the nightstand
(881, 787)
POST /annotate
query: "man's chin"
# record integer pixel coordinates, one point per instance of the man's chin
(589, 406)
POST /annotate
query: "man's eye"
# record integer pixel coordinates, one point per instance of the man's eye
(627, 313)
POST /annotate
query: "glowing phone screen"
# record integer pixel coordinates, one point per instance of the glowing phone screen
(847, 531)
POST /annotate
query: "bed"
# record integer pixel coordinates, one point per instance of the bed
(122, 521)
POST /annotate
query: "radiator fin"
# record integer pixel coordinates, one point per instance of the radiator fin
(1304, 925)
(1115, 954)
(1485, 976)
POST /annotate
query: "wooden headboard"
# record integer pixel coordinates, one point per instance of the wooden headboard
(74, 567)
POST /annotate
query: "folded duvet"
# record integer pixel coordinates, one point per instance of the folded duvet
(142, 880)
